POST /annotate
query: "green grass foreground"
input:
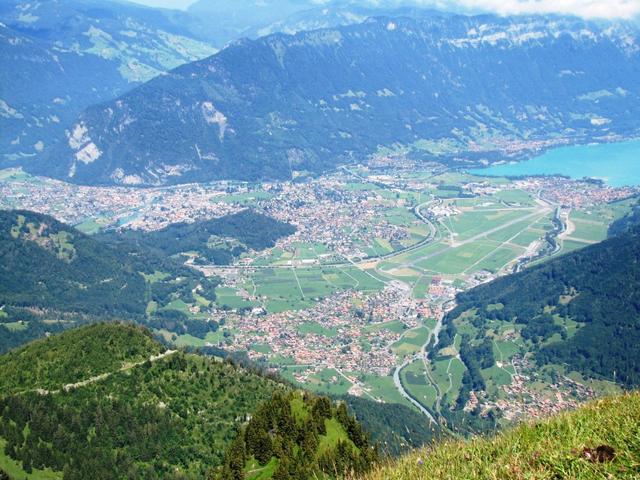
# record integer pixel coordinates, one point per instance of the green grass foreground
(557, 448)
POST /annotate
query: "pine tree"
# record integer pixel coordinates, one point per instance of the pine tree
(235, 460)
(322, 407)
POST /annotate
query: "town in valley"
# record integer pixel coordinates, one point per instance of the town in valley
(353, 301)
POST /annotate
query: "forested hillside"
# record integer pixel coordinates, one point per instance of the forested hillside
(52, 276)
(581, 310)
(217, 241)
(394, 428)
(299, 436)
(130, 411)
(80, 353)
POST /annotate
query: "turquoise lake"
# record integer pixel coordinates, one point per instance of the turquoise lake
(618, 164)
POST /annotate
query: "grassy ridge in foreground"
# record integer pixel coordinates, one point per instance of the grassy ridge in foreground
(551, 449)
(75, 355)
(131, 413)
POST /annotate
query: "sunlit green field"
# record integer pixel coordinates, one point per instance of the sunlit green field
(415, 382)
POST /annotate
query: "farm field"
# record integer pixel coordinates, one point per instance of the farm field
(394, 326)
(411, 342)
(228, 297)
(283, 289)
(571, 245)
(448, 373)
(415, 381)
(317, 329)
(329, 381)
(589, 230)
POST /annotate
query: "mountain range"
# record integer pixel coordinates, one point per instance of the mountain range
(59, 57)
(253, 19)
(285, 105)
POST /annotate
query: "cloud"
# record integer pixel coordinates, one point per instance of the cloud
(583, 8)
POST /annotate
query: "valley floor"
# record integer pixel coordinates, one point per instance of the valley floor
(353, 302)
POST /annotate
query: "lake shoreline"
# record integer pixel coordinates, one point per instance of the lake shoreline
(616, 164)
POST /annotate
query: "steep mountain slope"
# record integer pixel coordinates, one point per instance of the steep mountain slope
(597, 441)
(394, 428)
(101, 402)
(282, 105)
(577, 313)
(299, 436)
(52, 276)
(58, 57)
(49, 264)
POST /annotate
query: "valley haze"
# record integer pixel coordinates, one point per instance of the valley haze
(302, 239)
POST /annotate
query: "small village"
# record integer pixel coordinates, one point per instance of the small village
(524, 398)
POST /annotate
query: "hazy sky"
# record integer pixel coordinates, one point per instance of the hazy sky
(586, 8)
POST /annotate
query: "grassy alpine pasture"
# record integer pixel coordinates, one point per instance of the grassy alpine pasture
(563, 446)
(447, 373)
